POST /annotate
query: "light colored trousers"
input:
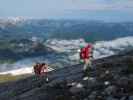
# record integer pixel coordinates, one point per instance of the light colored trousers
(87, 64)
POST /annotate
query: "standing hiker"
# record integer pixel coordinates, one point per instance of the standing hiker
(45, 70)
(86, 56)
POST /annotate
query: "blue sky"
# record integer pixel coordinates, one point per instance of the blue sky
(107, 10)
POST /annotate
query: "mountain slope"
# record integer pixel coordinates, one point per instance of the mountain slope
(111, 79)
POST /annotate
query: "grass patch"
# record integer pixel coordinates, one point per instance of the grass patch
(9, 78)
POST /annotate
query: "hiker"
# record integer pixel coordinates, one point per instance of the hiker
(37, 69)
(41, 70)
(44, 70)
(86, 56)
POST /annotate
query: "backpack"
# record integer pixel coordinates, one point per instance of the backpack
(82, 53)
(86, 52)
(40, 69)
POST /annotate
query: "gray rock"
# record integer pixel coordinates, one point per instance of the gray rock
(123, 81)
(111, 98)
(116, 77)
(130, 97)
(90, 82)
(131, 76)
(110, 90)
(85, 99)
(28, 93)
(123, 98)
(93, 95)
(77, 88)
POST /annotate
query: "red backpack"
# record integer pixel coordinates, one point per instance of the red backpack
(82, 53)
(40, 69)
(86, 52)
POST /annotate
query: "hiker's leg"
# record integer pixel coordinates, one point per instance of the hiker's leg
(89, 64)
(47, 79)
(85, 64)
(86, 68)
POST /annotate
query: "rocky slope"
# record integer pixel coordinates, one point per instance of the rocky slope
(110, 79)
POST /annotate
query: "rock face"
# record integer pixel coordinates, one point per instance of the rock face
(111, 79)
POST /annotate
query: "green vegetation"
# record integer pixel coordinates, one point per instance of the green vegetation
(12, 94)
(9, 78)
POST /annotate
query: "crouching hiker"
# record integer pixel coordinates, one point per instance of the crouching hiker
(86, 56)
(41, 69)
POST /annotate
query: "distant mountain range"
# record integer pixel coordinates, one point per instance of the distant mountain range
(64, 29)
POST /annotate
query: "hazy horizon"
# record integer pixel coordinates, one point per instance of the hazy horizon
(105, 10)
